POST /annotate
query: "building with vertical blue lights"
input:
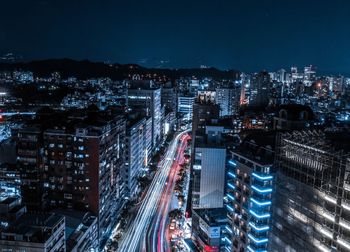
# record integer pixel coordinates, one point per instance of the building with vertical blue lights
(249, 189)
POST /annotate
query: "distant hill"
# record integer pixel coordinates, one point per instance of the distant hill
(86, 69)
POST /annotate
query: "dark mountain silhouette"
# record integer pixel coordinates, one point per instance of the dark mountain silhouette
(86, 69)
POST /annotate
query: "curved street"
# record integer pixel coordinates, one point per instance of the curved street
(146, 232)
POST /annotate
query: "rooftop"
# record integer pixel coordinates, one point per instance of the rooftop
(212, 216)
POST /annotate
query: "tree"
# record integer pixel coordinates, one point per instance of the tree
(144, 182)
(181, 197)
(175, 214)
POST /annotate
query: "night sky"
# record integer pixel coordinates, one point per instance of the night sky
(247, 35)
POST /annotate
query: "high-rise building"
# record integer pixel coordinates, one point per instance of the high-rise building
(312, 193)
(203, 113)
(294, 74)
(228, 99)
(335, 84)
(309, 75)
(249, 188)
(75, 161)
(169, 97)
(185, 106)
(83, 167)
(282, 75)
(148, 98)
(209, 169)
(245, 89)
(260, 88)
(136, 153)
(30, 165)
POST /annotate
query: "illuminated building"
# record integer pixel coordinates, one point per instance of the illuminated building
(245, 89)
(309, 75)
(208, 169)
(260, 87)
(249, 190)
(169, 97)
(75, 161)
(30, 166)
(83, 168)
(143, 96)
(23, 76)
(281, 76)
(136, 153)
(335, 84)
(228, 99)
(312, 198)
(207, 226)
(203, 113)
(185, 106)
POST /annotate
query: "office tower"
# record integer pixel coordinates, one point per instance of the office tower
(282, 75)
(23, 231)
(260, 87)
(193, 86)
(311, 203)
(169, 97)
(185, 106)
(228, 99)
(293, 117)
(208, 169)
(136, 153)
(294, 74)
(335, 84)
(309, 75)
(148, 98)
(249, 188)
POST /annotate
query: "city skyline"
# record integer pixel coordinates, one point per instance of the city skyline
(158, 126)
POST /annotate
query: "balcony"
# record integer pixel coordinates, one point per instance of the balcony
(230, 208)
(229, 229)
(231, 174)
(261, 190)
(260, 203)
(258, 240)
(232, 163)
(251, 249)
(262, 177)
(259, 228)
(231, 186)
(260, 215)
(230, 196)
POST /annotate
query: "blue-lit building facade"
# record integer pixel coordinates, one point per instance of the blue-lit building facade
(248, 198)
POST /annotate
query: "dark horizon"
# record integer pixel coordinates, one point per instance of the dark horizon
(245, 35)
(320, 72)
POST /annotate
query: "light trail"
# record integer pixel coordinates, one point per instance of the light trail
(133, 239)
